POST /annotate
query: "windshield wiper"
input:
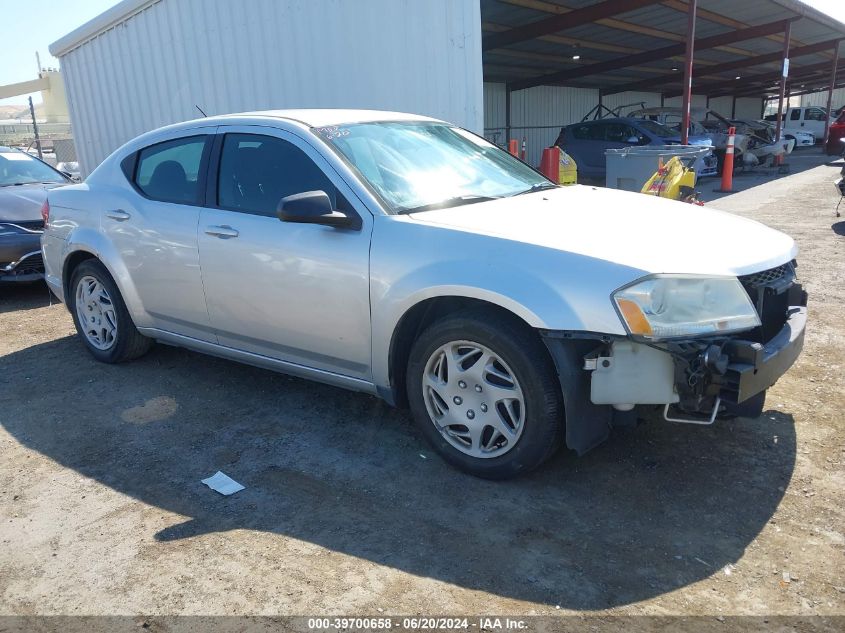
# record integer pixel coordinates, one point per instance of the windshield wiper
(449, 202)
(540, 186)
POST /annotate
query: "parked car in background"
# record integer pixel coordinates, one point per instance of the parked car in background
(24, 182)
(408, 258)
(753, 143)
(587, 142)
(803, 119)
(802, 139)
(837, 135)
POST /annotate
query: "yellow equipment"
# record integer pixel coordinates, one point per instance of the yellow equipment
(674, 180)
(567, 170)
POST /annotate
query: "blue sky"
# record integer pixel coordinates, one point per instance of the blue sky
(32, 25)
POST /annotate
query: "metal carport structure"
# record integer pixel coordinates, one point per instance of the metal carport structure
(654, 49)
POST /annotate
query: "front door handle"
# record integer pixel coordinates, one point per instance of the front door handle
(223, 232)
(118, 214)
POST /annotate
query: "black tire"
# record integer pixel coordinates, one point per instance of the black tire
(128, 342)
(520, 348)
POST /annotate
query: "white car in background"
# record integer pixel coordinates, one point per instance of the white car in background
(801, 138)
(410, 259)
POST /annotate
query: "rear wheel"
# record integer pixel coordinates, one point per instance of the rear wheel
(484, 393)
(100, 316)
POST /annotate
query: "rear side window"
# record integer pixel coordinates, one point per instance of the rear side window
(589, 132)
(815, 114)
(257, 171)
(170, 171)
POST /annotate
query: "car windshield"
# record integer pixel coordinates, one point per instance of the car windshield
(18, 168)
(419, 166)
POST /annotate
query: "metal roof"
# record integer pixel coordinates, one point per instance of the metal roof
(622, 29)
(638, 45)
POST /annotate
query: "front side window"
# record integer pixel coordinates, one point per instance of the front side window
(795, 115)
(815, 114)
(257, 171)
(418, 166)
(169, 171)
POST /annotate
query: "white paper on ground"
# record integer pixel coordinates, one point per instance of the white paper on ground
(223, 484)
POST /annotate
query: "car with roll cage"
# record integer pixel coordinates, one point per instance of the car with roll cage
(407, 258)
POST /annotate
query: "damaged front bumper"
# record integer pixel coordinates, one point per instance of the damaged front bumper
(20, 254)
(698, 378)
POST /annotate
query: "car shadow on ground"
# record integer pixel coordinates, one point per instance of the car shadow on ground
(16, 297)
(654, 509)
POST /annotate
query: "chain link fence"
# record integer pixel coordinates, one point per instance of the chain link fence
(56, 139)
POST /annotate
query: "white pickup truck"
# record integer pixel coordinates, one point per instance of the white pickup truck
(804, 119)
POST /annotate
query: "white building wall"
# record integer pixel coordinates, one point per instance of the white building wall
(495, 115)
(748, 108)
(820, 99)
(723, 106)
(152, 67)
(698, 101)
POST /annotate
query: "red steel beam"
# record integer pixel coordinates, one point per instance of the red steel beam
(561, 22)
(786, 35)
(818, 76)
(715, 69)
(830, 93)
(665, 52)
(689, 56)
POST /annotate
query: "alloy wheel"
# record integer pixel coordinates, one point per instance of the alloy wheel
(95, 313)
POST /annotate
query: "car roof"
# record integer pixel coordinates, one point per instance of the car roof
(322, 117)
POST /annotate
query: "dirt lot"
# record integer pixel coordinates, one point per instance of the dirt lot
(347, 512)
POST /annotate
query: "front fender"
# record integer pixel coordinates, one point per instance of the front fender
(535, 284)
(397, 299)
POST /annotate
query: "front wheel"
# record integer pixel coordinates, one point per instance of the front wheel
(483, 391)
(100, 315)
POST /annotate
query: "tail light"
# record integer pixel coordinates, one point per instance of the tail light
(45, 211)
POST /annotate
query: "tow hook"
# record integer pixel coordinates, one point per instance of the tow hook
(715, 360)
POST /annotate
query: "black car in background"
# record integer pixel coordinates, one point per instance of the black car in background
(24, 182)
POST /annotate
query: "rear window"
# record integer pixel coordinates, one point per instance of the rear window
(169, 171)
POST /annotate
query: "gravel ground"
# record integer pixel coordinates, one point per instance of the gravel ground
(345, 510)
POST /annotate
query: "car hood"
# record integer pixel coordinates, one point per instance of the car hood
(651, 234)
(22, 203)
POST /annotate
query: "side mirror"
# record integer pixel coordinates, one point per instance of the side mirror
(314, 207)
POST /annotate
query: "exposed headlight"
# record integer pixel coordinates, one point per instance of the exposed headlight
(671, 306)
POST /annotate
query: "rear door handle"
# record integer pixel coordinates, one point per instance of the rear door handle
(118, 214)
(223, 232)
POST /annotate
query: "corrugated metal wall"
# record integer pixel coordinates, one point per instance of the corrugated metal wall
(651, 100)
(495, 104)
(151, 69)
(820, 99)
(746, 107)
(537, 114)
